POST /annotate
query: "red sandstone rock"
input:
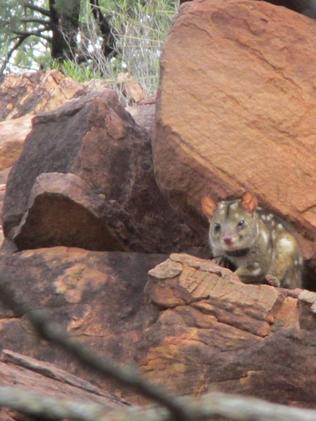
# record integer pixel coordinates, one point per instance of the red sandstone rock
(144, 113)
(236, 109)
(193, 327)
(21, 96)
(12, 137)
(63, 209)
(105, 196)
(130, 88)
(98, 297)
(35, 92)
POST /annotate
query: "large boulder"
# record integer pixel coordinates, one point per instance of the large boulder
(193, 326)
(85, 178)
(236, 109)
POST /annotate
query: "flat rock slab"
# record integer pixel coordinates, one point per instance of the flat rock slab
(189, 324)
(239, 113)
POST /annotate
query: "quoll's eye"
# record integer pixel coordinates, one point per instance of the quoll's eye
(241, 223)
(217, 228)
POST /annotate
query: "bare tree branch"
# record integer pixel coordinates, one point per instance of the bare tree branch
(19, 42)
(41, 10)
(33, 20)
(129, 378)
(37, 33)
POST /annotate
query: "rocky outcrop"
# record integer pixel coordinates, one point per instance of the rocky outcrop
(245, 122)
(98, 297)
(12, 136)
(35, 92)
(237, 117)
(85, 178)
(193, 326)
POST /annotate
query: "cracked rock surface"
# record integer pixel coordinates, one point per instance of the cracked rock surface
(187, 323)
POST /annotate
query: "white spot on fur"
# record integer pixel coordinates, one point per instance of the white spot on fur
(256, 271)
(265, 237)
(286, 244)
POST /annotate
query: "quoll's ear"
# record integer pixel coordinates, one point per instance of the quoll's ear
(249, 202)
(208, 206)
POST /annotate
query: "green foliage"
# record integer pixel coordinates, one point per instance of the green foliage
(68, 7)
(76, 72)
(14, 19)
(139, 27)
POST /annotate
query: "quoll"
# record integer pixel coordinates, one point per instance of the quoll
(256, 242)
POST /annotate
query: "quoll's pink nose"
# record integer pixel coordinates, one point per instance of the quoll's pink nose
(228, 241)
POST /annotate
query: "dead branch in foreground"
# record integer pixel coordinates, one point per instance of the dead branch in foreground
(213, 404)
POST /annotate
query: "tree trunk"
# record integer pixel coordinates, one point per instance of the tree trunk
(65, 24)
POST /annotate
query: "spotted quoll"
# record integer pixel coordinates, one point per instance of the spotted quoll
(255, 242)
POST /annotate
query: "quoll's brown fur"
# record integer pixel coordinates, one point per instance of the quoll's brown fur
(255, 242)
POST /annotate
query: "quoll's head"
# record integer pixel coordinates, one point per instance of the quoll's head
(233, 223)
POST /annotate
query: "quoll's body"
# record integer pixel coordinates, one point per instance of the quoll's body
(255, 242)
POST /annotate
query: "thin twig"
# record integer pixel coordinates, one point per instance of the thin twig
(33, 20)
(20, 41)
(37, 33)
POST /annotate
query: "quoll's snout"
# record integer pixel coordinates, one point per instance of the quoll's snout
(228, 241)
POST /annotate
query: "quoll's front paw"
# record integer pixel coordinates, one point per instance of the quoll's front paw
(219, 260)
(273, 280)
